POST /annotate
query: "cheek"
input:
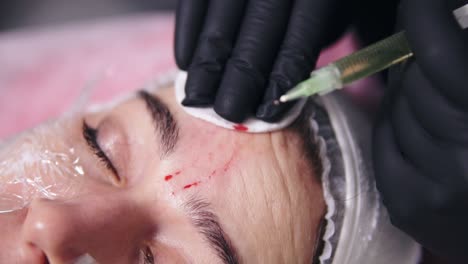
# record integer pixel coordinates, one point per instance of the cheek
(10, 227)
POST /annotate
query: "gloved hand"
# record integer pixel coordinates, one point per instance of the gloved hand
(242, 55)
(421, 138)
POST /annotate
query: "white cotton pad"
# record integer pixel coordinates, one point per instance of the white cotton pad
(251, 125)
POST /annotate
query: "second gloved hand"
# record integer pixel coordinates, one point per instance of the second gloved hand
(421, 138)
(242, 55)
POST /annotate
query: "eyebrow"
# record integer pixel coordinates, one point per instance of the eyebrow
(208, 225)
(204, 220)
(163, 122)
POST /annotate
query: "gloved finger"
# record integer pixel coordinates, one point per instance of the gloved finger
(214, 47)
(446, 121)
(439, 45)
(189, 21)
(305, 37)
(426, 152)
(415, 203)
(257, 45)
(398, 180)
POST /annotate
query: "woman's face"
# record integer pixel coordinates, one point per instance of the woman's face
(145, 181)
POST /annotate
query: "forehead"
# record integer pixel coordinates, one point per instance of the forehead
(265, 201)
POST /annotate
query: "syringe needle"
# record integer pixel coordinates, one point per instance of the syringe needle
(322, 80)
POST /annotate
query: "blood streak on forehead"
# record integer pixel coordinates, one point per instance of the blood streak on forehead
(223, 168)
(169, 177)
(240, 127)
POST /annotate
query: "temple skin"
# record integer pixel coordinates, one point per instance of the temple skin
(265, 193)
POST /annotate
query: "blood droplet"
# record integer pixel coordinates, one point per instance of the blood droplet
(240, 127)
(168, 177)
(191, 185)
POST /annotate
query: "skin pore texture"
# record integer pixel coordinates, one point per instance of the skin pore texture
(176, 186)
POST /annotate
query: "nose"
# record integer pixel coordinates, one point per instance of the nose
(12, 248)
(107, 227)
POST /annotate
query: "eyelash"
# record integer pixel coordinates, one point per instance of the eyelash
(90, 136)
(147, 255)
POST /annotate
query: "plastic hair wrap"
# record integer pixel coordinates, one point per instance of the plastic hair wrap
(358, 229)
(33, 167)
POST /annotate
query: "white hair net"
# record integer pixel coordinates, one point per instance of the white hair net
(358, 229)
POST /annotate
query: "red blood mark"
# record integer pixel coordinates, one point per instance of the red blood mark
(227, 165)
(212, 174)
(168, 177)
(192, 185)
(240, 127)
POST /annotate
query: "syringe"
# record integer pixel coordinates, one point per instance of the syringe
(358, 65)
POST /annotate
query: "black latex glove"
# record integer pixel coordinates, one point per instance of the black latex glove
(421, 139)
(242, 55)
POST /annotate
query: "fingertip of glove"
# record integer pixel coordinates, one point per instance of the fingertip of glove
(239, 93)
(230, 112)
(201, 87)
(271, 112)
(181, 62)
(196, 94)
(183, 53)
(196, 101)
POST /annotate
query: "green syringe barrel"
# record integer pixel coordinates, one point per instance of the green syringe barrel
(358, 65)
(374, 58)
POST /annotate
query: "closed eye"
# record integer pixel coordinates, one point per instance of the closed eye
(147, 256)
(90, 136)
